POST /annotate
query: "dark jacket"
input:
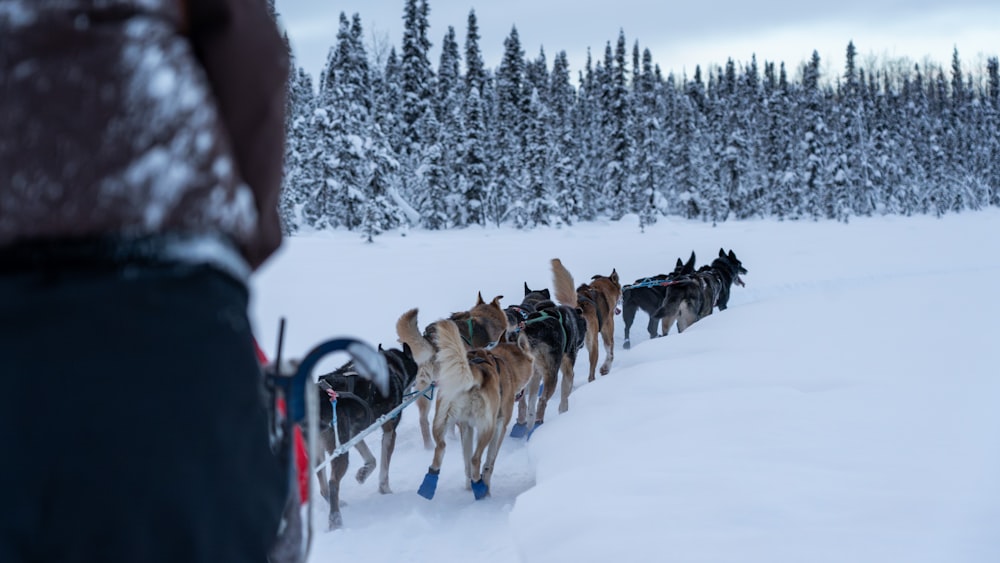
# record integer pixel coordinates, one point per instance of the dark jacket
(132, 118)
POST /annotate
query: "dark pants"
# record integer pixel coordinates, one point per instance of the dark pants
(131, 422)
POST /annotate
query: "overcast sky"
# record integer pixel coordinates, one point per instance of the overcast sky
(680, 35)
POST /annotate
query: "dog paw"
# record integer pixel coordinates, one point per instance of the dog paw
(480, 490)
(533, 428)
(384, 489)
(336, 521)
(626, 345)
(429, 486)
(518, 430)
(364, 473)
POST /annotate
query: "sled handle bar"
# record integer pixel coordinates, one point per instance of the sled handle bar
(367, 361)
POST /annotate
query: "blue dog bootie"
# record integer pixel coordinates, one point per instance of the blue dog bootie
(480, 490)
(429, 486)
(535, 427)
(518, 430)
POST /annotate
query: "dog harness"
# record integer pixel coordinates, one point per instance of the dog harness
(544, 314)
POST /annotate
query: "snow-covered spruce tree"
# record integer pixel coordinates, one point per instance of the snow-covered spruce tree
(473, 170)
(449, 110)
(992, 126)
(352, 144)
(472, 166)
(851, 188)
(781, 187)
(563, 146)
(650, 169)
(542, 208)
(690, 157)
(540, 201)
(506, 202)
(588, 158)
(417, 75)
(299, 171)
(325, 202)
(814, 156)
(417, 88)
(475, 69)
(388, 95)
(618, 118)
(434, 199)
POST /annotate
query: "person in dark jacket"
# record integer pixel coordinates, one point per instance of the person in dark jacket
(141, 148)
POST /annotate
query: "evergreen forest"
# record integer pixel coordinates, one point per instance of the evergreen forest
(391, 139)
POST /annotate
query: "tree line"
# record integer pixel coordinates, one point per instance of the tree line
(383, 142)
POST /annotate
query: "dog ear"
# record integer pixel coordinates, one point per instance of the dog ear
(479, 298)
(732, 255)
(722, 253)
(496, 301)
(614, 275)
(679, 264)
(526, 290)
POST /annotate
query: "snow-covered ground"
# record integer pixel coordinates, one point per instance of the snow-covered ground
(846, 407)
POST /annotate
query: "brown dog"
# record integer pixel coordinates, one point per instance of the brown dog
(599, 302)
(483, 324)
(476, 391)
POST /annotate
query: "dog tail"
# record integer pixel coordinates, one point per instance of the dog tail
(454, 373)
(563, 282)
(409, 334)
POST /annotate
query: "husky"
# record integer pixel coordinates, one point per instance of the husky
(358, 405)
(692, 298)
(478, 327)
(556, 334)
(648, 294)
(517, 314)
(476, 391)
(599, 302)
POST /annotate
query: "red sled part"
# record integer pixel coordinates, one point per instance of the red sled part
(301, 459)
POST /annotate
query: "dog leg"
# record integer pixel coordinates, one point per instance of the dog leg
(466, 430)
(628, 316)
(324, 486)
(424, 406)
(591, 340)
(366, 470)
(429, 485)
(494, 449)
(608, 337)
(665, 325)
(651, 328)
(328, 445)
(567, 383)
(484, 436)
(388, 446)
(338, 468)
(520, 428)
(686, 318)
(531, 398)
(548, 389)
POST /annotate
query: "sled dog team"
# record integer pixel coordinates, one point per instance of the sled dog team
(488, 359)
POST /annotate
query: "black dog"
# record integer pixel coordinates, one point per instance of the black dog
(517, 314)
(648, 294)
(691, 298)
(359, 405)
(556, 334)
